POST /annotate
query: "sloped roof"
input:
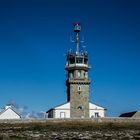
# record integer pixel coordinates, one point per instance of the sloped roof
(128, 114)
(67, 106)
(10, 109)
(61, 106)
(95, 106)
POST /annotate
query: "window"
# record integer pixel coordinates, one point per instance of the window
(71, 75)
(85, 61)
(80, 107)
(79, 60)
(96, 115)
(79, 74)
(79, 88)
(86, 75)
(72, 60)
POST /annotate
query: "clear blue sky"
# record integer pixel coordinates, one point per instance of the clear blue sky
(35, 36)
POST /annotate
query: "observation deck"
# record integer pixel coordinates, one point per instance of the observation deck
(77, 61)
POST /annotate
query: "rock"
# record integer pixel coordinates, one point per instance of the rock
(54, 134)
(85, 138)
(137, 137)
(108, 135)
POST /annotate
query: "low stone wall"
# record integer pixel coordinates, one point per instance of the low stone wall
(99, 120)
(71, 129)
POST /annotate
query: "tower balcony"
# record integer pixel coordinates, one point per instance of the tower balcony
(79, 80)
(77, 66)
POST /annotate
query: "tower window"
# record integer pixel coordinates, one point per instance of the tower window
(86, 74)
(72, 60)
(85, 61)
(79, 88)
(80, 107)
(79, 60)
(71, 75)
(79, 74)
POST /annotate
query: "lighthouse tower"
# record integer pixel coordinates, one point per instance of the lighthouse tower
(77, 80)
(78, 87)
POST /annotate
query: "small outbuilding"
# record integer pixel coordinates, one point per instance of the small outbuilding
(9, 113)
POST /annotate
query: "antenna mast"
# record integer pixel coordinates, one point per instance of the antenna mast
(77, 29)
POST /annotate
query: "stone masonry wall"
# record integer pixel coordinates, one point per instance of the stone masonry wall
(79, 99)
(71, 129)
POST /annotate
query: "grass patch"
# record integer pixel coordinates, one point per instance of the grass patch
(67, 126)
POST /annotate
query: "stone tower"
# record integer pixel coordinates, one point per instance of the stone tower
(77, 80)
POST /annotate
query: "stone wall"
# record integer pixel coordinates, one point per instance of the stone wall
(79, 100)
(70, 129)
(96, 120)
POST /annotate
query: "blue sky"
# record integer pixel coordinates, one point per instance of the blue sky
(35, 36)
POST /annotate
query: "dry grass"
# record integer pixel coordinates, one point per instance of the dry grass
(68, 125)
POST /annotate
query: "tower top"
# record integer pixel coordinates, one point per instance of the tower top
(77, 60)
(77, 27)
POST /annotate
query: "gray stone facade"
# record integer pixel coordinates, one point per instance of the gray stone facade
(79, 100)
(78, 87)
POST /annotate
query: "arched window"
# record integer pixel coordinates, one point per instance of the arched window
(71, 74)
(79, 74)
(80, 107)
(86, 74)
(79, 88)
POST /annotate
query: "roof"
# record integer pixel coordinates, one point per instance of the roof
(128, 114)
(67, 106)
(11, 109)
(97, 105)
(56, 107)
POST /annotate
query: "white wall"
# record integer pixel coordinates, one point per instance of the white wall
(63, 106)
(62, 111)
(92, 113)
(9, 114)
(94, 109)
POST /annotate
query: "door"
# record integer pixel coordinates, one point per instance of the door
(62, 115)
(96, 115)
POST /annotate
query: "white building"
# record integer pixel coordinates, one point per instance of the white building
(9, 113)
(63, 111)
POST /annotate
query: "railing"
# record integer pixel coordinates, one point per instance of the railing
(77, 65)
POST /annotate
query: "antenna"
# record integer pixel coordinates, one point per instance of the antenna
(77, 29)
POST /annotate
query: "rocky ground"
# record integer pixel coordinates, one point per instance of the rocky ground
(70, 135)
(70, 131)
